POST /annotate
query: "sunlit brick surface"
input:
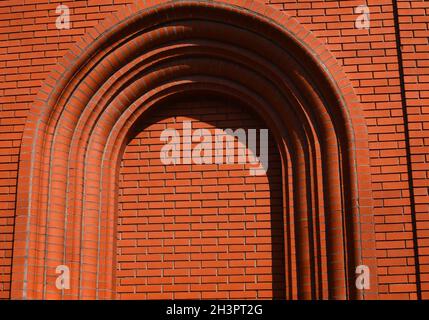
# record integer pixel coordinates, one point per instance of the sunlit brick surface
(198, 231)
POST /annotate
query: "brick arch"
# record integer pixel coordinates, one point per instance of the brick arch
(153, 52)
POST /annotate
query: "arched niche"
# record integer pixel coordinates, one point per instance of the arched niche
(155, 51)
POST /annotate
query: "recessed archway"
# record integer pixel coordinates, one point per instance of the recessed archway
(201, 229)
(154, 52)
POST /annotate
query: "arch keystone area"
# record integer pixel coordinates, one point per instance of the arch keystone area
(148, 55)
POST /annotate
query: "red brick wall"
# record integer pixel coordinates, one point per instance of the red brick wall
(370, 59)
(30, 46)
(414, 29)
(198, 231)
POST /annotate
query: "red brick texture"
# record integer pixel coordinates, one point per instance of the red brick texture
(198, 231)
(346, 109)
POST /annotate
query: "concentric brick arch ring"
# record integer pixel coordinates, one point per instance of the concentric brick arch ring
(150, 55)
